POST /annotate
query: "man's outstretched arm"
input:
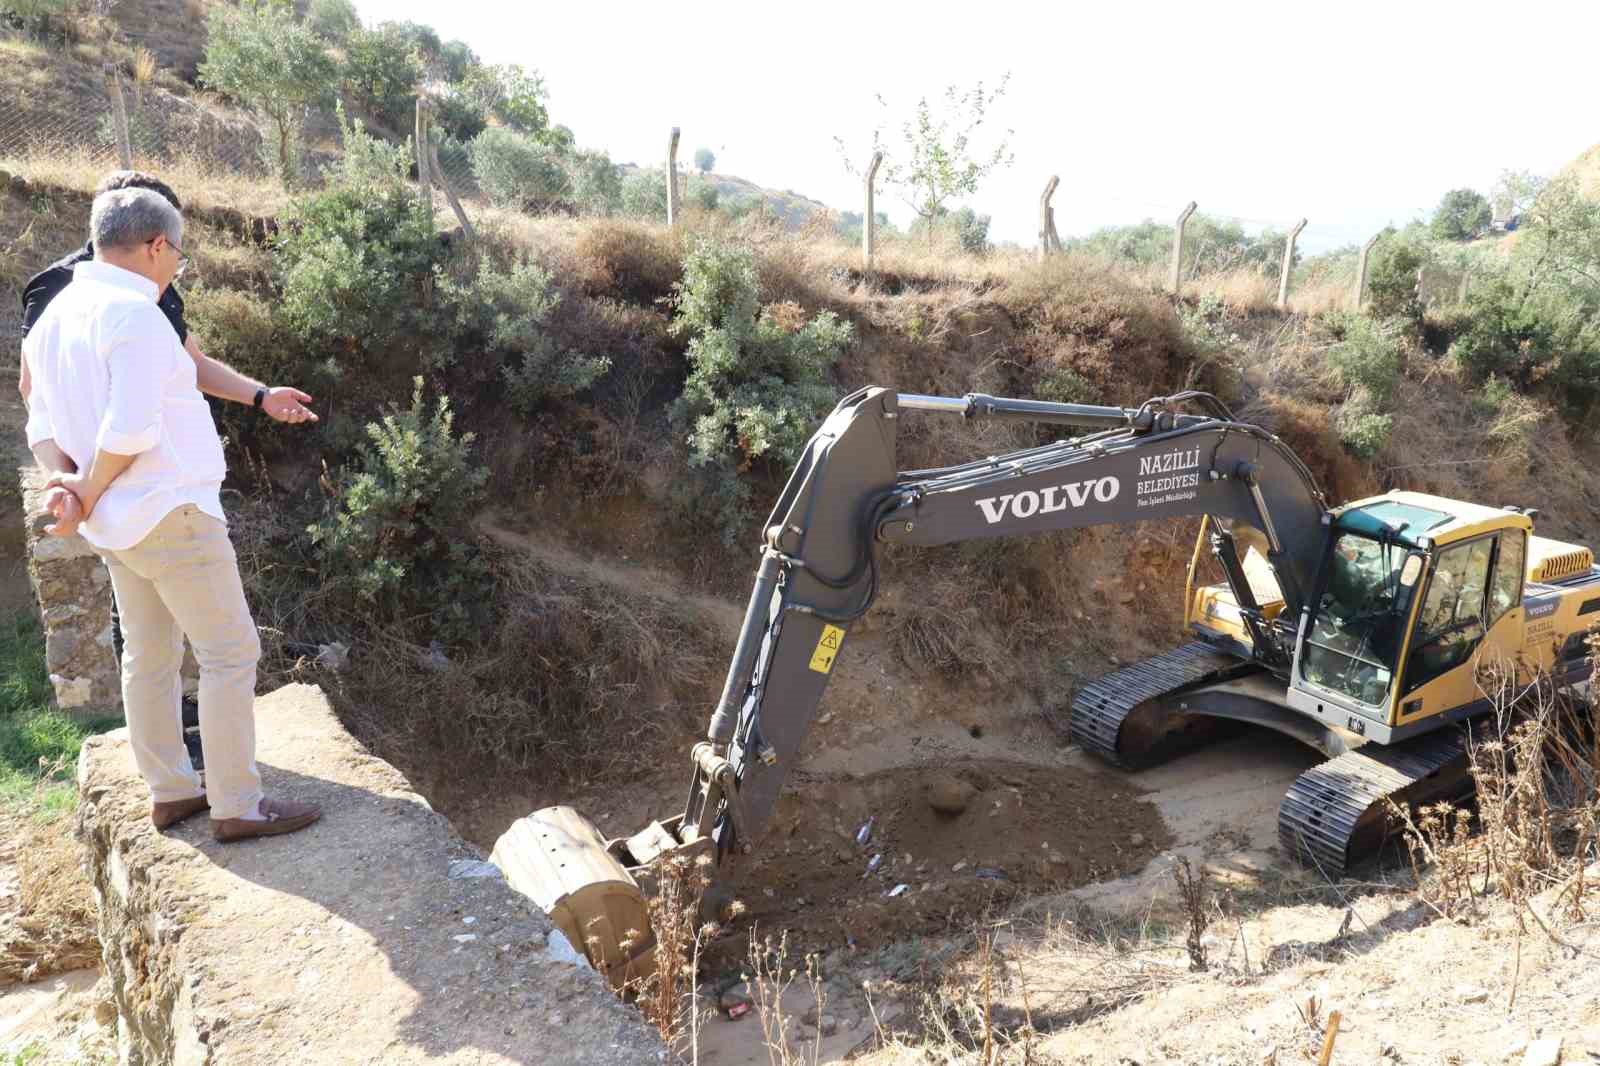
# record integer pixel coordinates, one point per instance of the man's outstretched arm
(216, 378)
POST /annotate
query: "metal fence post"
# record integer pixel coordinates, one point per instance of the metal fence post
(672, 179)
(869, 221)
(1288, 265)
(119, 116)
(1361, 269)
(1175, 282)
(1047, 216)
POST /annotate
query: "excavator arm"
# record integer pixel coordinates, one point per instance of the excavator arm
(818, 573)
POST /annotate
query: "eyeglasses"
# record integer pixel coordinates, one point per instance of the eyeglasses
(183, 257)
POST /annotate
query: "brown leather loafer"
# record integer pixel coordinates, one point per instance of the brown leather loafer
(170, 814)
(282, 816)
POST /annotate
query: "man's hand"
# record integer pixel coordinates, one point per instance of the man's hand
(67, 510)
(79, 488)
(285, 404)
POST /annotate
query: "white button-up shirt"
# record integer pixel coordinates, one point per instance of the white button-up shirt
(109, 374)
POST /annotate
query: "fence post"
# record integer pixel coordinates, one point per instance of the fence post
(1176, 281)
(672, 179)
(119, 116)
(869, 221)
(1361, 269)
(436, 171)
(1047, 216)
(1288, 265)
(424, 172)
(1461, 291)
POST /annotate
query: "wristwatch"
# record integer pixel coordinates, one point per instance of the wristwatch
(261, 394)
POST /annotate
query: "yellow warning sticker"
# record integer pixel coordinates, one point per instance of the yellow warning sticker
(827, 649)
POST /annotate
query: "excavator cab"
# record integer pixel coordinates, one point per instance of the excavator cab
(1413, 591)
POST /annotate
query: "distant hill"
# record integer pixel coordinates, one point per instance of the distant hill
(793, 208)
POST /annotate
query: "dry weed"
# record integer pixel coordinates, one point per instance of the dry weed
(54, 928)
(771, 976)
(1535, 766)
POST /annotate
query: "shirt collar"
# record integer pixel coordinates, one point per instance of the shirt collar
(95, 270)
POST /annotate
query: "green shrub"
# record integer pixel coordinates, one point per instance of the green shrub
(596, 184)
(1367, 361)
(396, 530)
(382, 69)
(1392, 280)
(358, 260)
(1065, 385)
(1363, 431)
(644, 195)
(515, 170)
(509, 313)
(1367, 356)
(239, 329)
(758, 378)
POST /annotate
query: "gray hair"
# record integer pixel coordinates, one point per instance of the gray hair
(127, 218)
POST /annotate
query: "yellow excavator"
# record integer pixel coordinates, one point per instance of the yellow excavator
(1356, 630)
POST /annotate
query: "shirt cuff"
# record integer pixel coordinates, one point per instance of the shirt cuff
(39, 427)
(119, 443)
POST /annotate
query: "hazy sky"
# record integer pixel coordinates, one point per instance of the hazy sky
(1352, 114)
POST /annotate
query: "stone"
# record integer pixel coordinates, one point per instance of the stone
(200, 939)
(1546, 1052)
(948, 794)
(468, 868)
(1137, 840)
(72, 692)
(1471, 994)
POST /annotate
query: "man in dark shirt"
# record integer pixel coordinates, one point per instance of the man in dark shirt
(282, 403)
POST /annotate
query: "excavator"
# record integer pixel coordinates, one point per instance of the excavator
(1355, 630)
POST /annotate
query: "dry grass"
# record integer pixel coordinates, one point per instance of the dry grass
(201, 184)
(1537, 817)
(53, 930)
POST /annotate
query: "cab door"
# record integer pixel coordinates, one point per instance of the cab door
(1472, 608)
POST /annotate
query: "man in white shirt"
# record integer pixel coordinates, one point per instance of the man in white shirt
(114, 395)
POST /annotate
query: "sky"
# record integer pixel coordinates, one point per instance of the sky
(1352, 115)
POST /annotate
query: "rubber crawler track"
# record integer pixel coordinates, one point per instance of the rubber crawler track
(1101, 706)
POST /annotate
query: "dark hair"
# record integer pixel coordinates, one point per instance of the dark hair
(137, 179)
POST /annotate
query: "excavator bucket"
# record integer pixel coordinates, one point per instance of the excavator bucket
(556, 857)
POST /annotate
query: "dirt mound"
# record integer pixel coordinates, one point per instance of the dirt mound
(1024, 830)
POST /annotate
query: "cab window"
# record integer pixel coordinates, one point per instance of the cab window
(1451, 622)
(1510, 566)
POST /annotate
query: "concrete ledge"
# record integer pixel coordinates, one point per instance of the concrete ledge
(348, 942)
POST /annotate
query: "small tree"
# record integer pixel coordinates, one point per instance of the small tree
(704, 160)
(1460, 216)
(382, 69)
(508, 92)
(1516, 191)
(937, 160)
(332, 20)
(260, 55)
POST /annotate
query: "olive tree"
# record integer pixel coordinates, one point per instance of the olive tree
(260, 55)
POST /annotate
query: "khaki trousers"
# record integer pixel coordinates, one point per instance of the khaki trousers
(183, 579)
